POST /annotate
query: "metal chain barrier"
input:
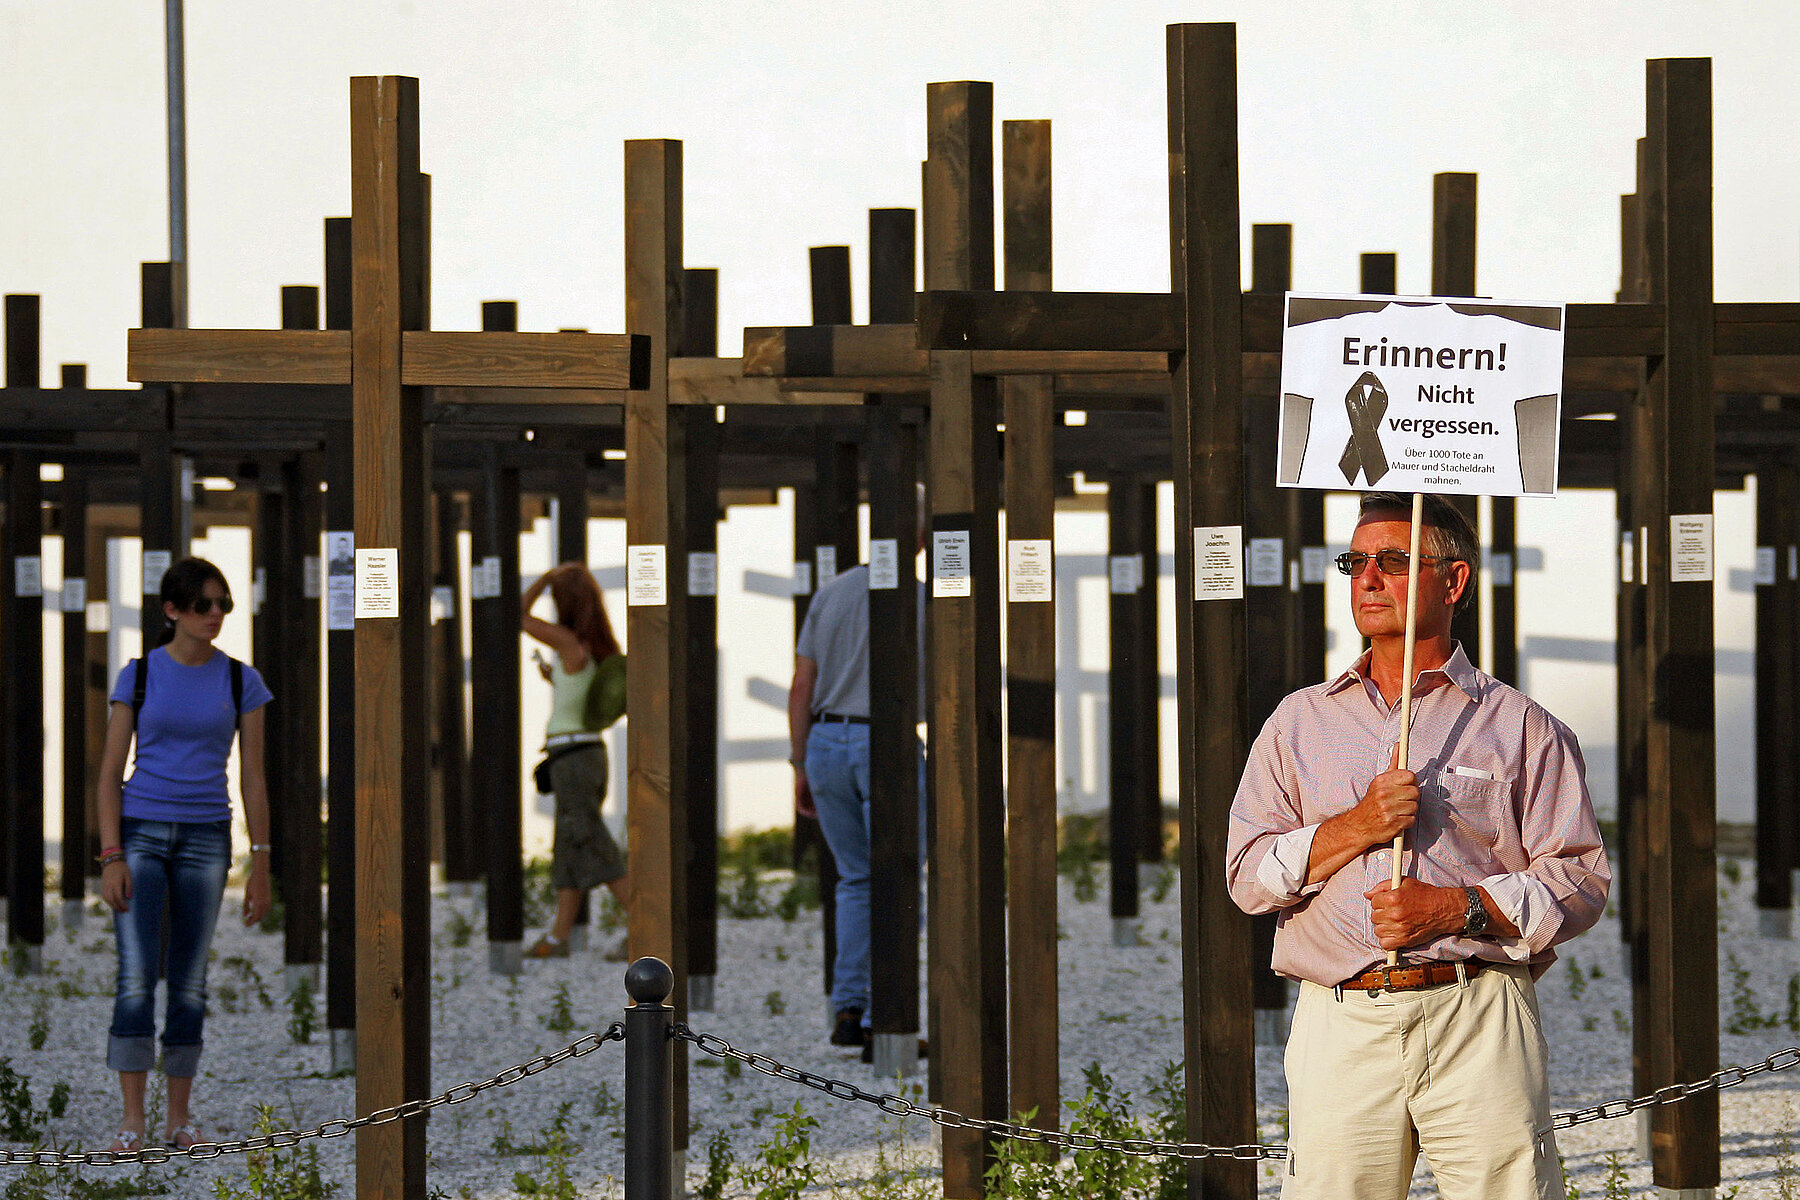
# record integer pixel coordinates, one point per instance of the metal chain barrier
(330, 1129)
(887, 1102)
(1781, 1060)
(900, 1106)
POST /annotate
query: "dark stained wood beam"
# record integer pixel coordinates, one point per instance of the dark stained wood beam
(1777, 805)
(1269, 605)
(431, 358)
(1206, 427)
(892, 352)
(1108, 323)
(393, 1011)
(73, 526)
(968, 937)
(1681, 893)
(1453, 205)
(1030, 450)
(656, 625)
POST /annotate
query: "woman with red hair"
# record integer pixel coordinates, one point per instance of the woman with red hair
(587, 681)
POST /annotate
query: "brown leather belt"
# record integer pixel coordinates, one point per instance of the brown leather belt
(1411, 977)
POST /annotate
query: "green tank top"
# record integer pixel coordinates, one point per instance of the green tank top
(568, 697)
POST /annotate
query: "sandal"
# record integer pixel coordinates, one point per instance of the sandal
(126, 1141)
(187, 1137)
(548, 947)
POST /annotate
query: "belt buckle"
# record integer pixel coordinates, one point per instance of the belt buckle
(1387, 976)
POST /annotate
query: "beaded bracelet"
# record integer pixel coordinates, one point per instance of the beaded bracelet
(110, 856)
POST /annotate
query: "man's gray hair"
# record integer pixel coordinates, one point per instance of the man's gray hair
(1447, 532)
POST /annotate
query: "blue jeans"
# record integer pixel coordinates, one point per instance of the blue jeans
(186, 865)
(837, 770)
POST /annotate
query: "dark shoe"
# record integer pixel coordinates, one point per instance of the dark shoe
(849, 1029)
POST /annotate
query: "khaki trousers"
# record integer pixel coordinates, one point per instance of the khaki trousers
(1457, 1071)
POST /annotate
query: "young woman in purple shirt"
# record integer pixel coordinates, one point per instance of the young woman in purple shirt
(167, 836)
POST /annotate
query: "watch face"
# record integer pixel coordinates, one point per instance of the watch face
(1475, 919)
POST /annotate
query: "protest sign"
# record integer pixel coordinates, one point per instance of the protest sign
(1420, 395)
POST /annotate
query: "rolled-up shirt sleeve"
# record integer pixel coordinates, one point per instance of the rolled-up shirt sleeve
(1268, 845)
(1563, 889)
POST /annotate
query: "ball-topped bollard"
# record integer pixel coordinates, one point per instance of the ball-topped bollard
(649, 980)
(650, 1163)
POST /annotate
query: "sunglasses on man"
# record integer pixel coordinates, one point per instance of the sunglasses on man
(204, 605)
(1390, 562)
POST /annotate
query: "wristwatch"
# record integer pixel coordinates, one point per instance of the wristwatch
(1475, 916)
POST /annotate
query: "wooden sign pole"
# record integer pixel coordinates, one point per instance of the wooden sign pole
(1402, 750)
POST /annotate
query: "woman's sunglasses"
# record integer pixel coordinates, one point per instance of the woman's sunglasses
(1390, 562)
(204, 605)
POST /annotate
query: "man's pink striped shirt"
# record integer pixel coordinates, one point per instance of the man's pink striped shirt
(1503, 805)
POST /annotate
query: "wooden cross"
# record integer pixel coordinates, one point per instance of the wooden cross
(385, 358)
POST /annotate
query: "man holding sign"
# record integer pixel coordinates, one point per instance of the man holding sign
(1444, 1052)
(1424, 830)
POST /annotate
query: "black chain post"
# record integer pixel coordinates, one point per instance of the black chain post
(649, 1082)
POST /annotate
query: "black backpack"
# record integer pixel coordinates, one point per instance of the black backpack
(140, 680)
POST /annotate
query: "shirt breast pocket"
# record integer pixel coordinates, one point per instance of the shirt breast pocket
(1475, 810)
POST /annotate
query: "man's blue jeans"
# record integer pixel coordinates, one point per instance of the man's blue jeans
(186, 864)
(837, 771)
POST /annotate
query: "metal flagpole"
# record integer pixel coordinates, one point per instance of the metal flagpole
(177, 97)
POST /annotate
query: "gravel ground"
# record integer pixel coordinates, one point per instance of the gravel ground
(1120, 1007)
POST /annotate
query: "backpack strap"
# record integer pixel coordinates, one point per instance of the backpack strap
(140, 680)
(237, 692)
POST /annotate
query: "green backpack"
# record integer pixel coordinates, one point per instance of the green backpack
(605, 694)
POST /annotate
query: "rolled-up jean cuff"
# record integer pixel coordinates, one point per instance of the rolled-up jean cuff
(130, 1053)
(181, 1062)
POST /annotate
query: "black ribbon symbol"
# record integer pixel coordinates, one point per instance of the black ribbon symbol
(1367, 403)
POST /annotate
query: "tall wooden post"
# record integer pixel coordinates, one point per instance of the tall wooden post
(157, 524)
(1453, 274)
(277, 579)
(1029, 403)
(894, 775)
(340, 695)
(72, 513)
(340, 770)
(702, 438)
(1680, 902)
(968, 960)
(1503, 589)
(1777, 818)
(298, 784)
(1148, 701)
(1631, 467)
(97, 675)
(818, 520)
(392, 745)
(495, 746)
(1206, 428)
(700, 503)
(895, 805)
(298, 787)
(22, 654)
(1125, 563)
(462, 819)
(656, 636)
(1269, 603)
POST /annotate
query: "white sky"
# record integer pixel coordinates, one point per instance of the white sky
(799, 117)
